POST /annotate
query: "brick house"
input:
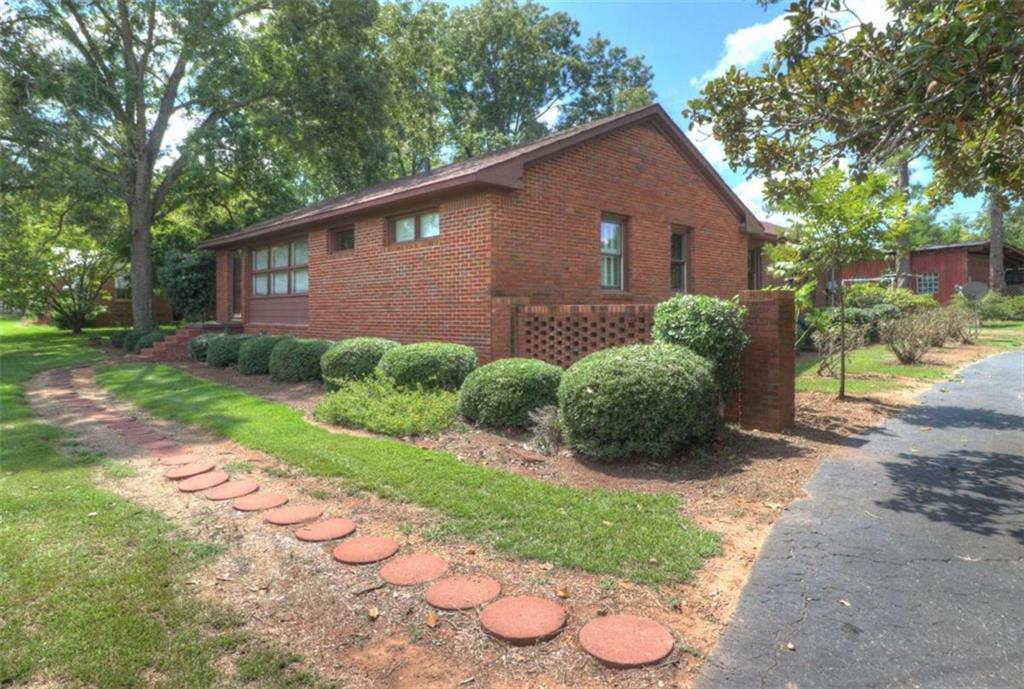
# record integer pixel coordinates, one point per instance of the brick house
(117, 300)
(596, 223)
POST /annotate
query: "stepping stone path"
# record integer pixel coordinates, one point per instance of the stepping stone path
(625, 641)
(410, 570)
(462, 593)
(365, 549)
(523, 620)
(617, 641)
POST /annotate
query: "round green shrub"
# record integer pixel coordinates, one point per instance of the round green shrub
(117, 339)
(149, 339)
(198, 346)
(354, 358)
(254, 354)
(710, 327)
(502, 394)
(429, 365)
(131, 339)
(638, 401)
(296, 359)
(223, 351)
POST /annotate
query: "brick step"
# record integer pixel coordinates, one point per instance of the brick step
(173, 348)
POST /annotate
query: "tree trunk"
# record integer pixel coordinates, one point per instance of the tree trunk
(143, 313)
(903, 243)
(996, 274)
(842, 341)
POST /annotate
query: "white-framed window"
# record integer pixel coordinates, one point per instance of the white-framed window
(422, 225)
(613, 230)
(122, 288)
(281, 269)
(928, 283)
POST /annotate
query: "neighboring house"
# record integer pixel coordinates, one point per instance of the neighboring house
(937, 270)
(758, 264)
(621, 211)
(118, 302)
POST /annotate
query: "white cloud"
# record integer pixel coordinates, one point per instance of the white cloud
(711, 148)
(745, 47)
(550, 116)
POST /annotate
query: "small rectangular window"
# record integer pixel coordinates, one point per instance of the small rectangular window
(611, 253)
(343, 240)
(300, 281)
(122, 288)
(418, 226)
(279, 256)
(679, 255)
(259, 284)
(928, 283)
(259, 259)
(279, 282)
(300, 253)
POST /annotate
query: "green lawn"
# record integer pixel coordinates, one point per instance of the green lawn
(875, 369)
(633, 535)
(94, 601)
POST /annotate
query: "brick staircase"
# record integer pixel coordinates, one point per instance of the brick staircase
(173, 348)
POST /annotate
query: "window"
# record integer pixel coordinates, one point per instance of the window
(417, 226)
(928, 283)
(612, 231)
(679, 255)
(281, 269)
(122, 288)
(343, 240)
(754, 268)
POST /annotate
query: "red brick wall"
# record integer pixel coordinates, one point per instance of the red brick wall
(119, 312)
(547, 234)
(562, 334)
(223, 296)
(766, 396)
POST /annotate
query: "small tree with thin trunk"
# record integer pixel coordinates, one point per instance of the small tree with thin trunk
(78, 278)
(837, 222)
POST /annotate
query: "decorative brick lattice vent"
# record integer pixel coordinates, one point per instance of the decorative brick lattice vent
(563, 334)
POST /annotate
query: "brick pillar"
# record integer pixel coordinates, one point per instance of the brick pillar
(768, 365)
(502, 314)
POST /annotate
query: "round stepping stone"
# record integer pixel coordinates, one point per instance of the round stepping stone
(365, 549)
(410, 570)
(189, 470)
(625, 641)
(462, 593)
(259, 501)
(232, 490)
(178, 461)
(294, 514)
(523, 620)
(203, 481)
(326, 530)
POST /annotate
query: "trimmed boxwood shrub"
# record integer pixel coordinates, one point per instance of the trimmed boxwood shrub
(149, 339)
(354, 358)
(117, 339)
(223, 351)
(254, 354)
(638, 401)
(297, 359)
(198, 346)
(131, 339)
(710, 327)
(502, 394)
(429, 364)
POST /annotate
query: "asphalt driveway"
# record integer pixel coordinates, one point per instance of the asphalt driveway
(905, 566)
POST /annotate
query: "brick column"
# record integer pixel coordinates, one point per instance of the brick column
(768, 365)
(502, 315)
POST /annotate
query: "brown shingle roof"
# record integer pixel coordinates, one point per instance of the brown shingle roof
(501, 169)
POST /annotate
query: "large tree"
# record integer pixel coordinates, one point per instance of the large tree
(145, 94)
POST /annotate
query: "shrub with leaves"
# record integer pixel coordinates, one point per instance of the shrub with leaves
(999, 307)
(131, 339)
(297, 359)
(375, 403)
(638, 401)
(869, 294)
(710, 327)
(909, 337)
(503, 393)
(354, 358)
(254, 354)
(189, 282)
(117, 339)
(963, 324)
(148, 339)
(198, 346)
(223, 351)
(546, 425)
(831, 342)
(429, 364)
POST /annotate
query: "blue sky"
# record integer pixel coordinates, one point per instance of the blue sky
(686, 42)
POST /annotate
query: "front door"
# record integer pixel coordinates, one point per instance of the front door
(236, 285)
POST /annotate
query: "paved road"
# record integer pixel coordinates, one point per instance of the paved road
(905, 567)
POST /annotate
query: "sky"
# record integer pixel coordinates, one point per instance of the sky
(687, 42)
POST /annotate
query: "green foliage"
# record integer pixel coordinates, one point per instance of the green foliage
(709, 327)
(117, 339)
(429, 364)
(999, 307)
(638, 401)
(910, 337)
(131, 339)
(148, 339)
(377, 404)
(222, 351)
(514, 514)
(869, 294)
(503, 393)
(868, 318)
(297, 359)
(353, 358)
(254, 354)
(199, 345)
(189, 281)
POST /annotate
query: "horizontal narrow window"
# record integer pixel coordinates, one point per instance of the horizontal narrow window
(343, 240)
(408, 228)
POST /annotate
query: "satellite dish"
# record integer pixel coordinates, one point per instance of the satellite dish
(974, 290)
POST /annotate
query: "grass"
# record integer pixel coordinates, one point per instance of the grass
(875, 369)
(633, 535)
(89, 582)
(376, 404)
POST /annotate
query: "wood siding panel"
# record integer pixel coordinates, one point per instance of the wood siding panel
(284, 310)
